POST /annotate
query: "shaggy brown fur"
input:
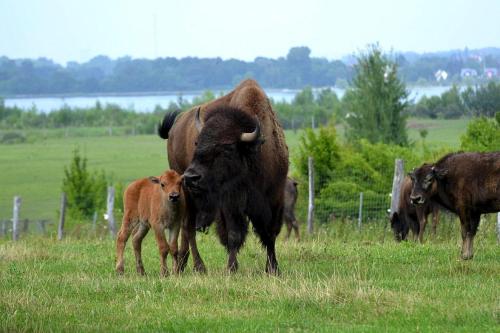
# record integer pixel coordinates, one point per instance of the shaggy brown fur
(158, 203)
(411, 217)
(467, 184)
(250, 99)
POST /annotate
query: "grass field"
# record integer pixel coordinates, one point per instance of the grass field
(35, 170)
(334, 281)
(339, 279)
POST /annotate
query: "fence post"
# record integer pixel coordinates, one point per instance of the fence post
(15, 218)
(60, 229)
(3, 230)
(94, 221)
(109, 210)
(310, 211)
(360, 213)
(399, 171)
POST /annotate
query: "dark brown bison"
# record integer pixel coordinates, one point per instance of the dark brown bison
(154, 202)
(467, 184)
(233, 154)
(291, 194)
(410, 217)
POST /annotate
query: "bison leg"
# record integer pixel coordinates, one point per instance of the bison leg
(163, 248)
(139, 235)
(232, 232)
(422, 221)
(188, 240)
(435, 220)
(288, 229)
(469, 224)
(295, 226)
(173, 235)
(121, 240)
(267, 226)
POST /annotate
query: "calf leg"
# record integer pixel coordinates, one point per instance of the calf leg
(139, 235)
(162, 248)
(173, 235)
(121, 240)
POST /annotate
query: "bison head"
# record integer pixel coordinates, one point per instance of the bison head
(424, 181)
(224, 159)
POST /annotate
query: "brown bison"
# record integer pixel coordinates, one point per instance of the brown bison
(233, 154)
(291, 194)
(467, 184)
(410, 217)
(154, 202)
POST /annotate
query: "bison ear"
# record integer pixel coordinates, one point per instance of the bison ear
(439, 173)
(154, 180)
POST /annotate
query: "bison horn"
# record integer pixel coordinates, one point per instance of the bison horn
(252, 136)
(197, 121)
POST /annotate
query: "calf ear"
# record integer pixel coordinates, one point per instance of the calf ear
(154, 180)
(439, 172)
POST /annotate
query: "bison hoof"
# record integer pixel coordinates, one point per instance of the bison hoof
(467, 256)
(272, 270)
(200, 268)
(119, 270)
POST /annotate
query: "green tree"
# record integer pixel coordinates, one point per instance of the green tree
(482, 135)
(77, 184)
(377, 100)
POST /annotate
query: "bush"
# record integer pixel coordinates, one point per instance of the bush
(12, 137)
(482, 135)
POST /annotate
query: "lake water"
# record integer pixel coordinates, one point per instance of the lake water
(147, 102)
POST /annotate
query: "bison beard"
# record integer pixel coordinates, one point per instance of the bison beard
(223, 181)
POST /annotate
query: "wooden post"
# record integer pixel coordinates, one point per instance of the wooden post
(94, 221)
(41, 227)
(397, 181)
(360, 213)
(3, 230)
(109, 210)
(26, 225)
(310, 212)
(60, 229)
(15, 218)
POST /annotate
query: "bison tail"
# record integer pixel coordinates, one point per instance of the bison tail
(167, 123)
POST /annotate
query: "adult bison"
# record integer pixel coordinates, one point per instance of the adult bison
(291, 194)
(410, 217)
(467, 184)
(233, 154)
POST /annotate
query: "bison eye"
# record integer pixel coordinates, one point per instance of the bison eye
(162, 185)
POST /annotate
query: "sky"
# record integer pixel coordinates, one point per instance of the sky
(71, 30)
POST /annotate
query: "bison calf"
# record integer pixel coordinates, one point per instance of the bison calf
(411, 217)
(291, 195)
(154, 202)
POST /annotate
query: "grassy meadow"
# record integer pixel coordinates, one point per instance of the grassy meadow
(339, 279)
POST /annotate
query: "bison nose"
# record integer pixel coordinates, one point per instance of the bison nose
(416, 200)
(190, 177)
(174, 196)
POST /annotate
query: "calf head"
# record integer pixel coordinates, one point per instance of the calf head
(170, 183)
(224, 156)
(425, 181)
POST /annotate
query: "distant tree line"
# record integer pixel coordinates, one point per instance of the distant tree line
(297, 70)
(473, 101)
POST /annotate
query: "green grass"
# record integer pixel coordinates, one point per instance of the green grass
(328, 283)
(35, 170)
